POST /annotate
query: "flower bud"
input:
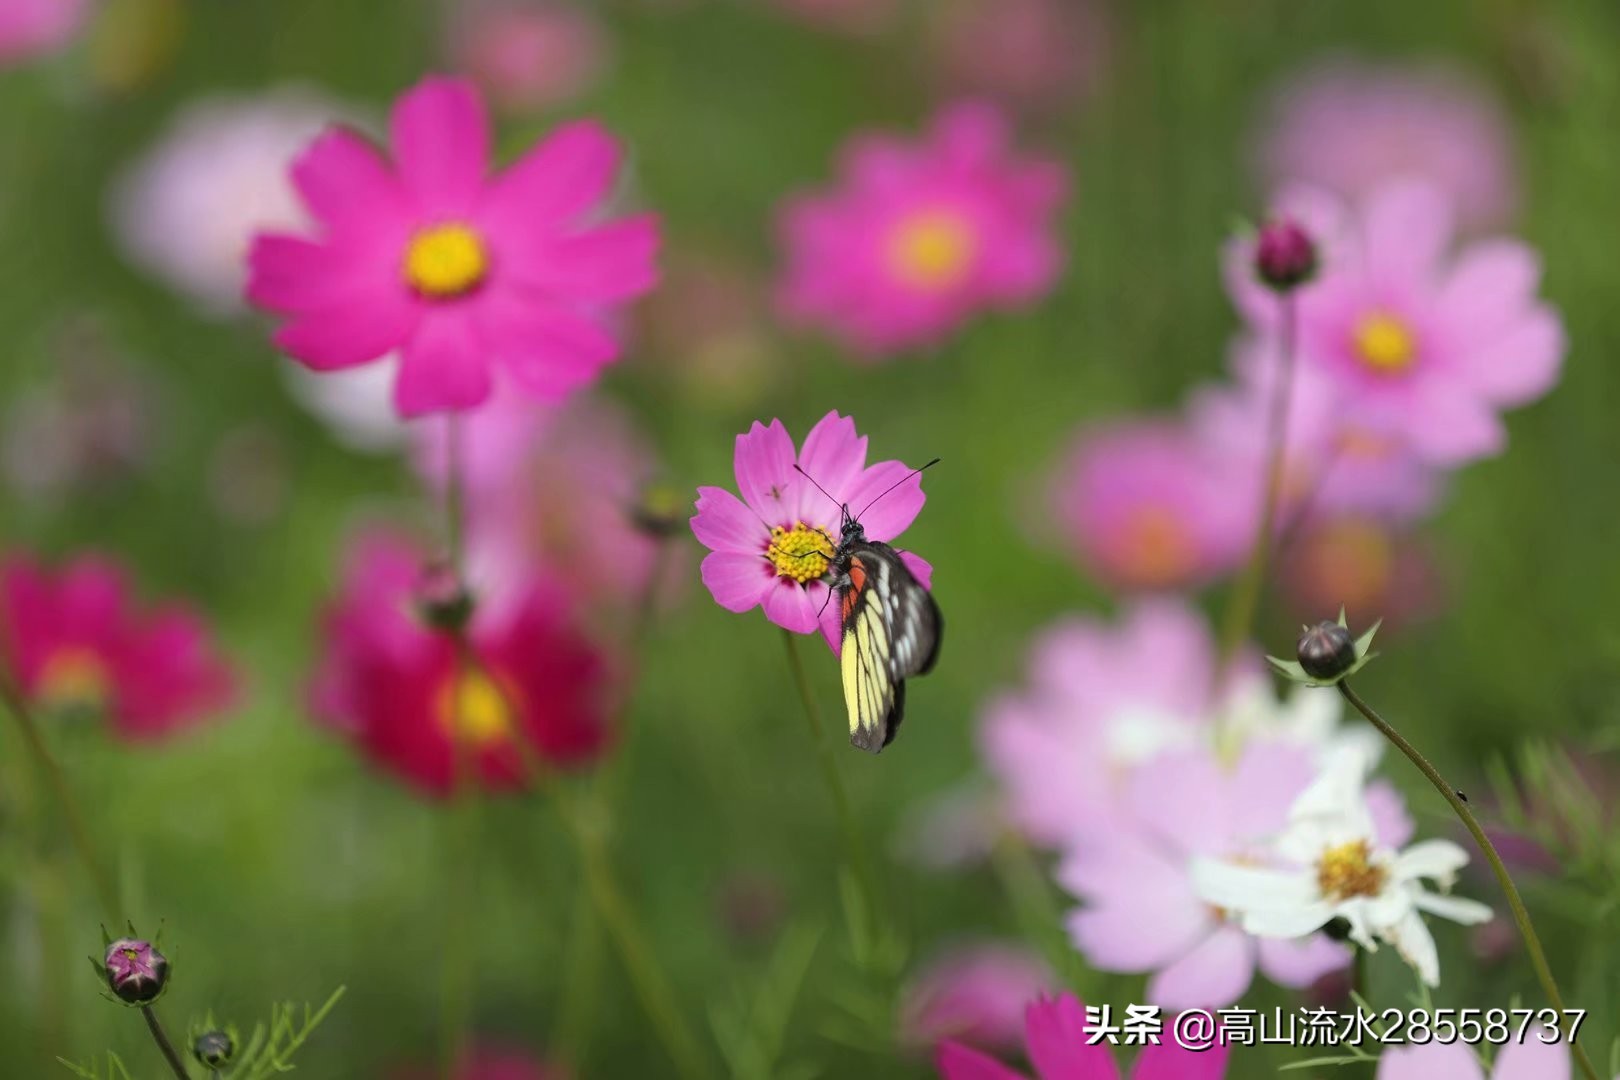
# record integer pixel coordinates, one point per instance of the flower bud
(659, 513)
(214, 1049)
(1326, 650)
(136, 972)
(443, 602)
(1284, 254)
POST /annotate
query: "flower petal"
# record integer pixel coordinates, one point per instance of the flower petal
(1407, 227)
(737, 582)
(1432, 1061)
(765, 477)
(1459, 909)
(549, 350)
(1436, 859)
(1522, 363)
(789, 606)
(1168, 1061)
(1212, 975)
(600, 265)
(440, 136)
(1298, 962)
(334, 338)
(884, 513)
(1531, 1059)
(442, 367)
(834, 455)
(1413, 941)
(292, 274)
(1055, 1031)
(724, 523)
(566, 175)
(958, 1062)
(349, 187)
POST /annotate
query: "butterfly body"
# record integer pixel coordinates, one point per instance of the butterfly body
(891, 631)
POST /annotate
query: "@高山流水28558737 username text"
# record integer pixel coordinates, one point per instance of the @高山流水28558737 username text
(1202, 1029)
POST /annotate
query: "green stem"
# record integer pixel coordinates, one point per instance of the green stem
(54, 777)
(853, 838)
(1358, 971)
(1521, 916)
(1244, 600)
(162, 1040)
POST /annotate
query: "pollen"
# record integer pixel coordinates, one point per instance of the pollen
(1385, 343)
(74, 678)
(932, 250)
(472, 707)
(445, 261)
(802, 553)
(1348, 871)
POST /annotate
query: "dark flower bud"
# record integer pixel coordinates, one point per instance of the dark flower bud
(1326, 650)
(1284, 254)
(136, 972)
(215, 1048)
(659, 514)
(1337, 929)
(442, 600)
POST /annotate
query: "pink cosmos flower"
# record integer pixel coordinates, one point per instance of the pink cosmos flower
(1362, 564)
(772, 547)
(30, 28)
(1528, 1060)
(1101, 699)
(1422, 345)
(1057, 1044)
(1141, 912)
(529, 56)
(392, 685)
(1027, 53)
(467, 274)
(555, 484)
(919, 237)
(74, 641)
(188, 209)
(1351, 127)
(975, 994)
(1145, 507)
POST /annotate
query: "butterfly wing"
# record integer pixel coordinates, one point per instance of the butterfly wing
(891, 632)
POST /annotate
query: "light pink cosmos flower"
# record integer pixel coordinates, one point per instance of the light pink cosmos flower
(466, 273)
(188, 209)
(1059, 1047)
(918, 237)
(1528, 1060)
(1146, 507)
(974, 993)
(772, 547)
(1027, 53)
(1351, 127)
(1140, 910)
(1424, 345)
(1100, 700)
(532, 55)
(30, 28)
(1361, 563)
(74, 642)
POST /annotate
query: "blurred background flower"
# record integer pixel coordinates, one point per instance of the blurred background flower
(529, 55)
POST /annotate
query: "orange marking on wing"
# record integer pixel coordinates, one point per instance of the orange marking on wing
(857, 582)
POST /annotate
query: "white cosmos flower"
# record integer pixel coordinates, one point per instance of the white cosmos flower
(1307, 717)
(1328, 863)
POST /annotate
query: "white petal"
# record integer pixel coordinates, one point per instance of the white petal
(1290, 922)
(1458, 909)
(1413, 941)
(1437, 859)
(1248, 888)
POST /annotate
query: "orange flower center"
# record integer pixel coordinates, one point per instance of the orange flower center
(932, 250)
(74, 678)
(1385, 343)
(1352, 560)
(1155, 548)
(802, 553)
(472, 707)
(445, 261)
(1347, 871)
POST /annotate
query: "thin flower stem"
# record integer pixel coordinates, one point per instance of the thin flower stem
(1244, 600)
(1358, 971)
(18, 707)
(1521, 916)
(860, 862)
(162, 1039)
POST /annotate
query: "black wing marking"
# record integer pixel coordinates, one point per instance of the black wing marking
(892, 629)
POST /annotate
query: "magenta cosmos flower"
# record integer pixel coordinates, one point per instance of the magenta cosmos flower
(31, 28)
(1422, 344)
(1351, 127)
(1528, 1060)
(1057, 1043)
(1146, 507)
(468, 274)
(974, 993)
(75, 642)
(392, 684)
(919, 237)
(136, 972)
(772, 547)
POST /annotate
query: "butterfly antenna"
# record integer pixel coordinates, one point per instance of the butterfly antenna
(891, 487)
(819, 488)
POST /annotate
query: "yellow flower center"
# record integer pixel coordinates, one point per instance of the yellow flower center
(1156, 549)
(445, 261)
(1385, 343)
(801, 553)
(1347, 870)
(74, 678)
(932, 250)
(472, 707)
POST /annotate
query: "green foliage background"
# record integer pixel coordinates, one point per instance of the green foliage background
(281, 868)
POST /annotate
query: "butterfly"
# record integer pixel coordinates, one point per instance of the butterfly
(891, 628)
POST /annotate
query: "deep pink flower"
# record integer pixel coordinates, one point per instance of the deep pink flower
(772, 547)
(392, 685)
(531, 55)
(1057, 1044)
(1531, 1059)
(1100, 699)
(1147, 508)
(558, 485)
(31, 28)
(1351, 127)
(74, 640)
(919, 237)
(136, 972)
(1032, 54)
(1140, 910)
(1421, 344)
(975, 994)
(470, 275)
